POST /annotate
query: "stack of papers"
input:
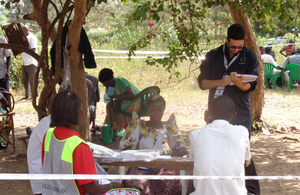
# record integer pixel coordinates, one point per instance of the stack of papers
(104, 154)
(246, 78)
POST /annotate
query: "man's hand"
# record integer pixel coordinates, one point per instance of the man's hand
(6, 77)
(207, 117)
(225, 81)
(281, 68)
(111, 97)
(247, 163)
(236, 80)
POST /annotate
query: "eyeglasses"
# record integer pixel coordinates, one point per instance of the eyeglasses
(234, 47)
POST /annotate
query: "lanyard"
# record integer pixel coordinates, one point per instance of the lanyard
(225, 59)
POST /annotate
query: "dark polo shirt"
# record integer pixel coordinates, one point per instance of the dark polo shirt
(213, 68)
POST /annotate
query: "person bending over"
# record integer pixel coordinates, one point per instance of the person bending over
(123, 89)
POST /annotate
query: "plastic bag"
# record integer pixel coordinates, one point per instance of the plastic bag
(104, 154)
(139, 155)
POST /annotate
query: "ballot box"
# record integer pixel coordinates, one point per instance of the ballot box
(14, 34)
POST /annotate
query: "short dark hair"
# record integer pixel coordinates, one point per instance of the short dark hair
(65, 109)
(222, 107)
(155, 99)
(262, 49)
(268, 50)
(236, 32)
(105, 74)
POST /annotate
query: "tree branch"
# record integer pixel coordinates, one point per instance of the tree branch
(21, 48)
(193, 26)
(60, 16)
(54, 6)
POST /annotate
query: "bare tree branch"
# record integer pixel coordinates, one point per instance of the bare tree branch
(54, 6)
(21, 48)
(60, 16)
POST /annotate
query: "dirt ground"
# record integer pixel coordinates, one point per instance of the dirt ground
(277, 154)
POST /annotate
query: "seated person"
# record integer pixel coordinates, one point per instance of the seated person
(267, 58)
(158, 135)
(261, 50)
(272, 52)
(123, 89)
(220, 149)
(34, 155)
(93, 95)
(64, 152)
(5, 108)
(294, 59)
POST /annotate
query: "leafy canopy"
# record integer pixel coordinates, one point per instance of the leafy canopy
(187, 18)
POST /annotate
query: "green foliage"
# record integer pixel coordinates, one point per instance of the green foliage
(124, 37)
(15, 80)
(257, 124)
(6, 4)
(187, 28)
(289, 36)
(99, 35)
(3, 18)
(195, 23)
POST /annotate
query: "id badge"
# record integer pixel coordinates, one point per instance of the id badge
(219, 91)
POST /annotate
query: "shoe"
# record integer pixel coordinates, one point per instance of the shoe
(28, 131)
(3, 145)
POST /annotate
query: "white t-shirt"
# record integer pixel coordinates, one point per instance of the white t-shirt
(220, 149)
(28, 59)
(3, 53)
(267, 58)
(34, 152)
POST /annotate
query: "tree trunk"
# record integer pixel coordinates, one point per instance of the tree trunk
(257, 96)
(40, 15)
(78, 82)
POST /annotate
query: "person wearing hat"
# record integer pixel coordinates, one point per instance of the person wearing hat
(123, 89)
(288, 49)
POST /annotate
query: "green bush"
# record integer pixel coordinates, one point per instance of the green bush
(99, 35)
(15, 80)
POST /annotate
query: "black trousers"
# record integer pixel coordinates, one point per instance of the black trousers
(251, 185)
(4, 84)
